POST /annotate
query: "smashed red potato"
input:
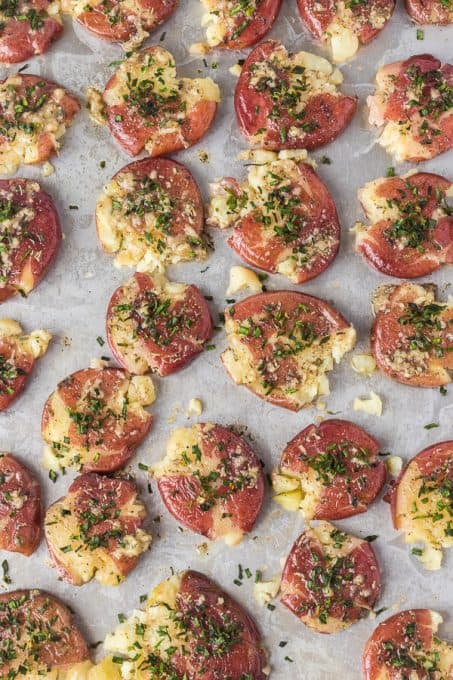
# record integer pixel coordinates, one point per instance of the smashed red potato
(95, 531)
(95, 419)
(28, 28)
(38, 635)
(330, 579)
(430, 11)
(411, 338)
(420, 503)
(406, 645)
(413, 106)
(150, 215)
(344, 26)
(330, 471)
(30, 236)
(283, 217)
(34, 116)
(235, 26)
(18, 354)
(411, 230)
(191, 629)
(282, 343)
(20, 507)
(148, 108)
(157, 325)
(211, 481)
(117, 21)
(290, 101)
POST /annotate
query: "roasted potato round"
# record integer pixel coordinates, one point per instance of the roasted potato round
(190, 629)
(20, 507)
(330, 579)
(406, 645)
(282, 343)
(38, 635)
(96, 530)
(95, 419)
(212, 481)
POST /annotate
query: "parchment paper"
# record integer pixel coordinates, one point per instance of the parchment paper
(71, 303)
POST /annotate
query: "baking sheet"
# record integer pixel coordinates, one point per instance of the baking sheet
(72, 300)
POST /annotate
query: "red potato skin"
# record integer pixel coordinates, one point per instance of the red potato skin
(300, 600)
(257, 27)
(331, 113)
(336, 499)
(45, 231)
(317, 207)
(110, 495)
(180, 492)
(428, 462)
(116, 449)
(375, 657)
(317, 16)
(21, 528)
(410, 263)
(43, 612)
(97, 21)
(384, 337)
(133, 131)
(396, 107)
(18, 41)
(323, 317)
(182, 347)
(23, 363)
(69, 106)
(429, 12)
(202, 603)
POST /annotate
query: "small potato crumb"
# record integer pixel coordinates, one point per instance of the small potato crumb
(364, 364)
(195, 408)
(96, 106)
(235, 70)
(242, 278)
(203, 156)
(99, 363)
(394, 465)
(265, 591)
(203, 549)
(47, 169)
(372, 405)
(199, 49)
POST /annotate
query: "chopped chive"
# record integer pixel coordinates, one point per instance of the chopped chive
(6, 576)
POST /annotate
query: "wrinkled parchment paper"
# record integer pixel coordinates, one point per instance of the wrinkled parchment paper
(72, 300)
